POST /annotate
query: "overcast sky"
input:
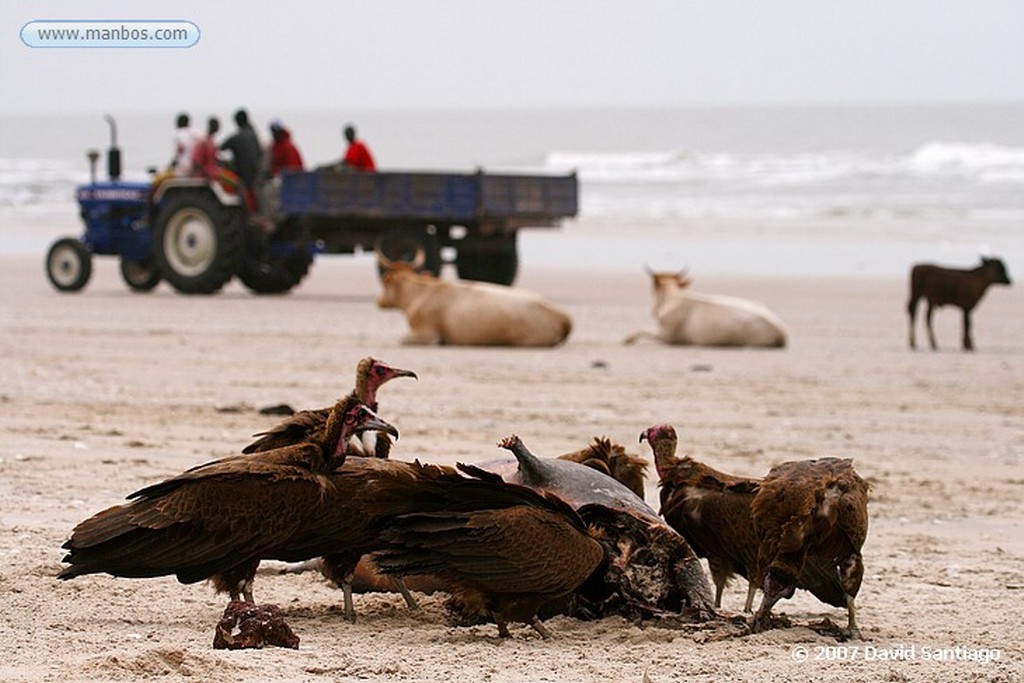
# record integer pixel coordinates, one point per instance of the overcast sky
(408, 54)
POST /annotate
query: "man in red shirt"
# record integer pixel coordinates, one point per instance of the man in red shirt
(204, 153)
(357, 156)
(283, 152)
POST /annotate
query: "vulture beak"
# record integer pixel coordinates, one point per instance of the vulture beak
(643, 435)
(378, 425)
(398, 372)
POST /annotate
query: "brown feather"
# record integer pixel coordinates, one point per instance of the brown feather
(503, 547)
(613, 460)
(810, 511)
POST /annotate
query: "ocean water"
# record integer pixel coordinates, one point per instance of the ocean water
(807, 190)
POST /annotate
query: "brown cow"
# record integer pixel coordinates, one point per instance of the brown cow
(955, 287)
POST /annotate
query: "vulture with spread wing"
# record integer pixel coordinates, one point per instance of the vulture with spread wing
(218, 520)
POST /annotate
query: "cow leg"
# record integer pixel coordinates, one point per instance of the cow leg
(928, 322)
(968, 342)
(912, 310)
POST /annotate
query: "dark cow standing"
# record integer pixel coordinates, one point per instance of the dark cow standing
(955, 287)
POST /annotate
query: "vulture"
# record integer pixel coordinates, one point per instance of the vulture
(650, 569)
(710, 509)
(505, 550)
(716, 513)
(612, 459)
(810, 513)
(370, 375)
(218, 520)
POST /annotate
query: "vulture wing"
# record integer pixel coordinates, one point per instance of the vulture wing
(301, 426)
(499, 538)
(204, 521)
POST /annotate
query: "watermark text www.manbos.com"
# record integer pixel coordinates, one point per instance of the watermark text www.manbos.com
(127, 33)
(897, 652)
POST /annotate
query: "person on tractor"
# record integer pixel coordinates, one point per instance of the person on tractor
(185, 138)
(204, 155)
(244, 146)
(283, 152)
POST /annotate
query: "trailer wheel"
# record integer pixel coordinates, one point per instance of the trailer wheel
(68, 264)
(266, 270)
(140, 276)
(494, 261)
(402, 244)
(197, 242)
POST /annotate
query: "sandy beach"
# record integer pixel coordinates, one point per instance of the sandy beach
(106, 391)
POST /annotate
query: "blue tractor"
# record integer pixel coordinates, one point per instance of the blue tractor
(197, 234)
(194, 233)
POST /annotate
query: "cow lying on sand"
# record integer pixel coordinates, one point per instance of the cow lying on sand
(954, 287)
(688, 318)
(470, 313)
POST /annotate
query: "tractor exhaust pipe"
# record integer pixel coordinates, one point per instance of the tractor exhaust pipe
(114, 153)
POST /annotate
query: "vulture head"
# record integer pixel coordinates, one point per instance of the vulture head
(662, 439)
(348, 418)
(371, 374)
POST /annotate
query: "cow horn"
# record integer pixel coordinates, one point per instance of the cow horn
(383, 261)
(647, 269)
(419, 259)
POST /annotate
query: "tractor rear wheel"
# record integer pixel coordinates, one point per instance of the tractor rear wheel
(269, 268)
(68, 264)
(492, 260)
(409, 244)
(197, 242)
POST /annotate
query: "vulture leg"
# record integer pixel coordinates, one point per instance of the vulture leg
(540, 628)
(346, 591)
(400, 586)
(247, 592)
(748, 606)
(851, 625)
(502, 625)
(774, 591)
(851, 572)
(237, 582)
(720, 575)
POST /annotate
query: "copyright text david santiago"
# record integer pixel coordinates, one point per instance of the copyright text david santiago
(894, 653)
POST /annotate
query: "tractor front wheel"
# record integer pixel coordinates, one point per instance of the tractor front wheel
(68, 264)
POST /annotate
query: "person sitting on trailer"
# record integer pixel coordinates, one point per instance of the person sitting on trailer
(357, 156)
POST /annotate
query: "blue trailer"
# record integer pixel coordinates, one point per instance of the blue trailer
(198, 234)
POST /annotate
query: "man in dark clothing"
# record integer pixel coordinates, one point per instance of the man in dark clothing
(245, 150)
